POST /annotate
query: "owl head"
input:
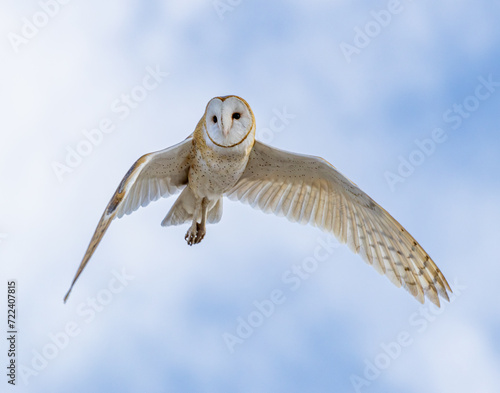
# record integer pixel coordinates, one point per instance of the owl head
(229, 121)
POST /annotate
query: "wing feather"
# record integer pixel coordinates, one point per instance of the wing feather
(152, 176)
(308, 189)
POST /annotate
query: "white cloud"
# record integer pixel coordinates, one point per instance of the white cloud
(172, 316)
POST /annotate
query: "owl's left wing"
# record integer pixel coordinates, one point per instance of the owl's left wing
(308, 189)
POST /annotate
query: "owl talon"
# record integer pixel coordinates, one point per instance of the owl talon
(195, 234)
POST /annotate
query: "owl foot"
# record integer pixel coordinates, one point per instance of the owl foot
(195, 234)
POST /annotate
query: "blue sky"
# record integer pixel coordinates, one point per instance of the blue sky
(150, 313)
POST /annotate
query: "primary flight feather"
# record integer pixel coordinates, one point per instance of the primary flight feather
(222, 158)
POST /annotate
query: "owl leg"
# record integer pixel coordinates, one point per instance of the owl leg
(197, 231)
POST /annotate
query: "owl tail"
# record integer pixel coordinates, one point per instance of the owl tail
(215, 213)
(183, 209)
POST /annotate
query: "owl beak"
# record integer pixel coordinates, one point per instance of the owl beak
(225, 128)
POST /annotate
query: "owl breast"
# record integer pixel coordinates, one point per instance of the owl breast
(213, 172)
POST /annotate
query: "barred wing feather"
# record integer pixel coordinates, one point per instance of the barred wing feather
(153, 176)
(309, 190)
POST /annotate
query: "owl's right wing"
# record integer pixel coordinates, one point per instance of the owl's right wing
(308, 189)
(152, 176)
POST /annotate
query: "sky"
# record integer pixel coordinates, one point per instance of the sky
(401, 96)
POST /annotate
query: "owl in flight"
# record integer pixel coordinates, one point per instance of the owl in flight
(222, 158)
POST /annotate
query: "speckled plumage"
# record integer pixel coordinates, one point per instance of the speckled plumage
(222, 158)
(214, 170)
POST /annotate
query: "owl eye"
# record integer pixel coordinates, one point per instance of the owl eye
(214, 119)
(236, 115)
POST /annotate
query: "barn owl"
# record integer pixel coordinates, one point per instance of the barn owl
(222, 158)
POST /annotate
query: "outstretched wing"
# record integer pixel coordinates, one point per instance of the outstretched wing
(308, 189)
(152, 176)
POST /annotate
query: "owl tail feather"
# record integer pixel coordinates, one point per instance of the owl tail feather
(215, 213)
(183, 209)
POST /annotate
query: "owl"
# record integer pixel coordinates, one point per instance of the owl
(223, 158)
